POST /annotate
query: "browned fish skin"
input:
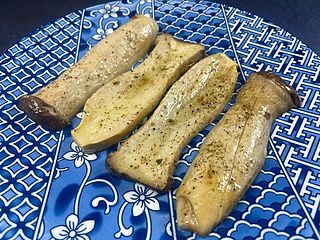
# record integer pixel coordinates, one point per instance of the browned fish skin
(151, 154)
(232, 154)
(119, 106)
(54, 105)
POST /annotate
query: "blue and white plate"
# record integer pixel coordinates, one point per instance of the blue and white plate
(50, 189)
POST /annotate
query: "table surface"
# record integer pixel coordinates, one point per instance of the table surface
(299, 17)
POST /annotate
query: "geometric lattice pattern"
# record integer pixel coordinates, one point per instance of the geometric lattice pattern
(260, 45)
(263, 46)
(51, 189)
(26, 149)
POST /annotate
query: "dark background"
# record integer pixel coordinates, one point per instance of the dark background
(299, 17)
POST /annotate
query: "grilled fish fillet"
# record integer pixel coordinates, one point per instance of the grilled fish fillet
(54, 105)
(150, 155)
(119, 106)
(232, 154)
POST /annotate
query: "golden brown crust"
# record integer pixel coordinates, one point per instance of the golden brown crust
(42, 113)
(281, 83)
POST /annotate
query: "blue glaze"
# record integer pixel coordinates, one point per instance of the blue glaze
(50, 188)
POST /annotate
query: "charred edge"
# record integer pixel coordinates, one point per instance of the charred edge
(114, 172)
(281, 83)
(42, 113)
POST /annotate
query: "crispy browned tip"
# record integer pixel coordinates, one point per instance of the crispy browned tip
(42, 113)
(281, 83)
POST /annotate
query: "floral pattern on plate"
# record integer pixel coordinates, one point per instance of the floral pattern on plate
(51, 189)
